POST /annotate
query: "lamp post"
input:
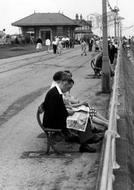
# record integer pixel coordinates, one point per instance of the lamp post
(106, 81)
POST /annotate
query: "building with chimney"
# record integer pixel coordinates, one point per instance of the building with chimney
(84, 28)
(46, 25)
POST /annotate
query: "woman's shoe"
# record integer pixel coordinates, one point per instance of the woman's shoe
(98, 130)
(95, 139)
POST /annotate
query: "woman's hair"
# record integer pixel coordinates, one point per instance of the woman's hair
(68, 72)
(69, 80)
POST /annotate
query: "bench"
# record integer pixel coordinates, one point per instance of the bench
(48, 131)
(96, 64)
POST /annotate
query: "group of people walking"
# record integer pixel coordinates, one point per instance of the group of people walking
(57, 44)
(59, 104)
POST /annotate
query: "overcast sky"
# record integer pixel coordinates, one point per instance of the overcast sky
(13, 10)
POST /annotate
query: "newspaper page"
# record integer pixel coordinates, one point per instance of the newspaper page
(78, 121)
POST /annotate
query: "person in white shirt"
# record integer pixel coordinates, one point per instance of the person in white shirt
(48, 43)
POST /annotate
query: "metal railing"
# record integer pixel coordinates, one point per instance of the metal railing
(109, 155)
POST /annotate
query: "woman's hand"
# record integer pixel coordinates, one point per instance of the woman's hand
(70, 112)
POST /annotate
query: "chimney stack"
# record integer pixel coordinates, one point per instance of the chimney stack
(77, 17)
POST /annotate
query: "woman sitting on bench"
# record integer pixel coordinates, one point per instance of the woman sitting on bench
(73, 102)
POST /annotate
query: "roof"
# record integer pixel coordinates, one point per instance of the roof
(82, 22)
(41, 19)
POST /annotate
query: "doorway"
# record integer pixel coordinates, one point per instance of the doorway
(45, 34)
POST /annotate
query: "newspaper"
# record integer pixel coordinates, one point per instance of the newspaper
(78, 121)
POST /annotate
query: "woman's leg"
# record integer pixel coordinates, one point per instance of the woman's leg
(100, 120)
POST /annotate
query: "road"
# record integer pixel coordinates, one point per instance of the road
(24, 81)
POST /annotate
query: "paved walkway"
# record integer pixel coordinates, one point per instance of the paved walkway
(23, 166)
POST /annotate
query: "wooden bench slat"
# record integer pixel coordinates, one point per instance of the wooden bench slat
(52, 130)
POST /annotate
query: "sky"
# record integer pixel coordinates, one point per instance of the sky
(13, 10)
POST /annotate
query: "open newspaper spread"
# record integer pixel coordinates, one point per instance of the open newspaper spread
(78, 121)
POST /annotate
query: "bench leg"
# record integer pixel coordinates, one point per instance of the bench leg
(50, 144)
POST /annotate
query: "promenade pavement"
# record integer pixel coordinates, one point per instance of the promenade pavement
(23, 163)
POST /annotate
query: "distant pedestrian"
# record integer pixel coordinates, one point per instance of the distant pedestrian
(97, 45)
(54, 43)
(63, 41)
(71, 43)
(59, 47)
(83, 48)
(39, 44)
(67, 42)
(48, 43)
(90, 44)
(111, 51)
(57, 39)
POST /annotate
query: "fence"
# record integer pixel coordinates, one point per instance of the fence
(108, 162)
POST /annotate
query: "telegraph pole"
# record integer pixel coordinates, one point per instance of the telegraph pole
(106, 79)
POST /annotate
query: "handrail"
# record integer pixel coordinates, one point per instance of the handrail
(109, 159)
